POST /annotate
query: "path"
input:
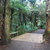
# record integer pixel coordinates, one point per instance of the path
(28, 41)
(40, 31)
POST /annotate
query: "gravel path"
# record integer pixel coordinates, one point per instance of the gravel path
(28, 41)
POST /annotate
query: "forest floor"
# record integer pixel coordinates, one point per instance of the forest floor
(28, 41)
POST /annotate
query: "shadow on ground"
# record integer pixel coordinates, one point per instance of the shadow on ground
(23, 45)
(28, 41)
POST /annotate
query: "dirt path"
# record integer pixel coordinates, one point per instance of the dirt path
(28, 41)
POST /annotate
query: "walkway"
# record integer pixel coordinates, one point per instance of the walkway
(28, 41)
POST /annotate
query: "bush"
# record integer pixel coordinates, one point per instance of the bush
(29, 29)
(35, 28)
(20, 29)
(23, 29)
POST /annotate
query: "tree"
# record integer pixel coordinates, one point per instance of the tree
(1, 15)
(0, 24)
(47, 30)
(6, 23)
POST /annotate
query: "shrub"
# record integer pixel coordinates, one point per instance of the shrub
(20, 29)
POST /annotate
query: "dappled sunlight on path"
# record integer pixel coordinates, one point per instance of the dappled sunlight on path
(36, 37)
(30, 37)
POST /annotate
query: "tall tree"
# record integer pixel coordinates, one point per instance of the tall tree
(47, 31)
(0, 23)
(1, 15)
(24, 19)
(6, 23)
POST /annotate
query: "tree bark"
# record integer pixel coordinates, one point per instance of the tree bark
(20, 19)
(35, 20)
(6, 23)
(24, 20)
(0, 24)
(47, 30)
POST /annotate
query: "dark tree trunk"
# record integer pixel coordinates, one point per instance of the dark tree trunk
(1, 16)
(24, 20)
(20, 19)
(35, 20)
(0, 23)
(31, 20)
(0, 26)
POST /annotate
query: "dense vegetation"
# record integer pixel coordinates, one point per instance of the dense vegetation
(26, 16)
(22, 16)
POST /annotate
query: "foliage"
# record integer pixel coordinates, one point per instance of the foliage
(48, 31)
(27, 15)
(20, 29)
(29, 29)
(18, 6)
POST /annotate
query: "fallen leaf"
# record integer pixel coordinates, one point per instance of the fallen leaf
(46, 41)
(36, 46)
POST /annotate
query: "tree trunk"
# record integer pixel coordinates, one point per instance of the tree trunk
(31, 21)
(35, 20)
(11, 19)
(0, 23)
(24, 20)
(20, 19)
(0, 26)
(47, 30)
(6, 23)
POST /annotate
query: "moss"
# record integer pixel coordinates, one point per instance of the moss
(48, 31)
(1, 9)
(45, 36)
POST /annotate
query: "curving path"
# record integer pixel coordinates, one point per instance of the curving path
(28, 41)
